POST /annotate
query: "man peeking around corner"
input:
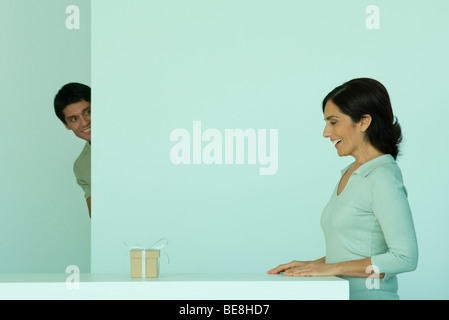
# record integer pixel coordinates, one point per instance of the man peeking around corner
(72, 107)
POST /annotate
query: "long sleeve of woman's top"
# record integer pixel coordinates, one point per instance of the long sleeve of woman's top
(391, 208)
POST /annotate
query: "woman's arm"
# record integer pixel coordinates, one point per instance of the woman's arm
(294, 264)
(391, 208)
(356, 268)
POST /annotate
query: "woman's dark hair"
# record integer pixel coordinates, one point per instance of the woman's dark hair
(362, 96)
(68, 94)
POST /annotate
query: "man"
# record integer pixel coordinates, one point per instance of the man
(72, 107)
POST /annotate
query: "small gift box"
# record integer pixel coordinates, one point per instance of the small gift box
(144, 263)
(144, 259)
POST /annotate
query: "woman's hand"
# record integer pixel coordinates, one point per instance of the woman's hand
(312, 269)
(288, 266)
(305, 269)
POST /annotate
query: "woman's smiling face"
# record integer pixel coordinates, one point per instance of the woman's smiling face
(346, 135)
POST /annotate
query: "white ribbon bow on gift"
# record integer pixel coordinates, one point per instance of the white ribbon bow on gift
(158, 245)
(134, 245)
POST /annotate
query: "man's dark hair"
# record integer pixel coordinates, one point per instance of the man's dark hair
(70, 93)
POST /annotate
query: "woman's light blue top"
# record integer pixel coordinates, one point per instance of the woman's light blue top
(371, 218)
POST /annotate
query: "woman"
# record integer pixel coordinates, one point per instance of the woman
(367, 223)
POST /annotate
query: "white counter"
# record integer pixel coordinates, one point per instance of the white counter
(172, 287)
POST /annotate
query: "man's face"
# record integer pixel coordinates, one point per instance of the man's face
(77, 117)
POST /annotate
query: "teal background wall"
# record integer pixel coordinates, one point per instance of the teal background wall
(160, 65)
(45, 224)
